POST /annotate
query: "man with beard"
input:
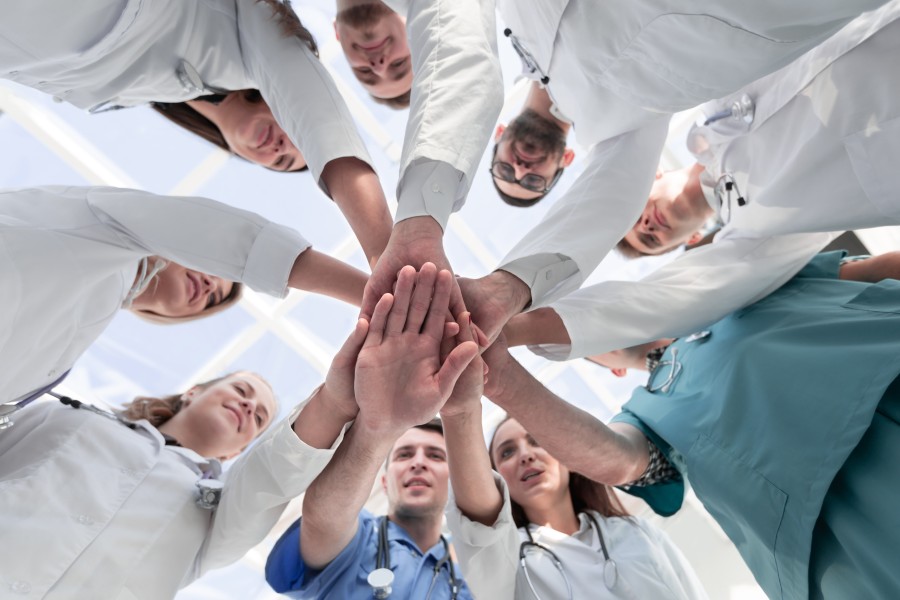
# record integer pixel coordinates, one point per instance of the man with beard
(617, 71)
(530, 155)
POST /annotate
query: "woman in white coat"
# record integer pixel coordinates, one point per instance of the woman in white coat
(71, 257)
(97, 505)
(105, 54)
(539, 531)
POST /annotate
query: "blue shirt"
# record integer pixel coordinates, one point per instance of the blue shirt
(345, 577)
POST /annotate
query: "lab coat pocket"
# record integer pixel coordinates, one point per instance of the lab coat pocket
(659, 66)
(881, 297)
(873, 153)
(747, 506)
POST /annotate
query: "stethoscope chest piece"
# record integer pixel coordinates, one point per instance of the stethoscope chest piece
(380, 580)
(610, 574)
(210, 493)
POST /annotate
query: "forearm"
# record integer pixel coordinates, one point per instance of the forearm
(578, 440)
(473, 484)
(332, 503)
(321, 274)
(319, 423)
(356, 189)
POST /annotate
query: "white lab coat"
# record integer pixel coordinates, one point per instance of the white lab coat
(92, 509)
(104, 53)
(820, 156)
(617, 70)
(457, 93)
(649, 564)
(69, 256)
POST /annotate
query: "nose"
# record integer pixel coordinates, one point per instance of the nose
(248, 405)
(645, 223)
(520, 168)
(378, 62)
(526, 455)
(418, 462)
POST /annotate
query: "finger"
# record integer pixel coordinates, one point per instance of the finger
(481, 337)
(457, 302)
(406, 279)
(451, 328)
(371, 296)
(447, 345)
(421, 298)
(453, 366)
(379, 321)
(434, 322)
(352, 345)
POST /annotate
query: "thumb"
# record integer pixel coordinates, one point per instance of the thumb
(455, 363)
(353, 344)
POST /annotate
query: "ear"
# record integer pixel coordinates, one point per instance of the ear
(619, 372)
(337, 36)
(695, 238)
(498, 133)
(659, 174)
(567, 157)
(189, 395)
(384, 482)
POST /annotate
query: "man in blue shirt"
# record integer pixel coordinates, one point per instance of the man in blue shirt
(332, 550)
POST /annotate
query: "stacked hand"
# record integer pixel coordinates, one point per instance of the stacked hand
(401, 379)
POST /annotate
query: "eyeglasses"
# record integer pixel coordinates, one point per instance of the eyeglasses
(531, 181)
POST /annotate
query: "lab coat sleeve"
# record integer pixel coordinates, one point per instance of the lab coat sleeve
(195, 232)
(561, 251)
(676, 565)
(258, 487)
(488, 555)
(457, 93)
(696, 289)
(298, 89)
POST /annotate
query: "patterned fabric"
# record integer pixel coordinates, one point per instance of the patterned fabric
(659, 470)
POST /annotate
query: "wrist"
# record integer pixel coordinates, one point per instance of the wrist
(418, 227)
(339, 406)
(511, 291)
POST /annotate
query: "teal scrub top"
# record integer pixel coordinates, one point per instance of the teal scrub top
(765, 410)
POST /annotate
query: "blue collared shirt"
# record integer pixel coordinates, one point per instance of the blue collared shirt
(345, 577)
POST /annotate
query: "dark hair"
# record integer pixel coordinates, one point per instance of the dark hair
(434, 425)
(628, 251)
(186, 117)
(397, 102)
(586, 494)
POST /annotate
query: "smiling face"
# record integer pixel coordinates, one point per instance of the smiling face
(177, 291)
(222, 419)
(417, 477)
(250, 130)
(534, 478)
(373, 38)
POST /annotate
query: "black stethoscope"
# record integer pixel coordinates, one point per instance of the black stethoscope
(382, 577)
(610, 569)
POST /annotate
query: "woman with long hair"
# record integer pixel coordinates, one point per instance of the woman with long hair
(540, 531)
(247, 68)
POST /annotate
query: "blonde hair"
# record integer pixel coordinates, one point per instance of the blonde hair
(159, 410)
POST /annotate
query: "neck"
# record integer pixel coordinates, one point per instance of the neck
(425, 530)
(207, 109)
(173, 428)
(539, 101)
(559, 516)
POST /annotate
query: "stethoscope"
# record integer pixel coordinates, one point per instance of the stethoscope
(610, 569)
(382, 577)
(209, 488)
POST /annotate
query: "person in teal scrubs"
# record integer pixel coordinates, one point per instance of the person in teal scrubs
(784, 417)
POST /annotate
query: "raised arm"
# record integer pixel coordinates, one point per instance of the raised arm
(400, 382)
(696, 289)
(471, 478)
(561, 251)
(613, 454)
(308, 106)
(321, 274)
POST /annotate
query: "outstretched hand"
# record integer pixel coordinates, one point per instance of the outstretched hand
(413, 242)
(494, 299)
(466, 395)
(401, 380)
